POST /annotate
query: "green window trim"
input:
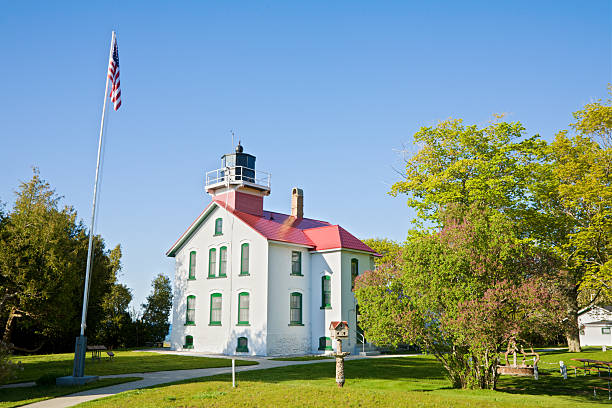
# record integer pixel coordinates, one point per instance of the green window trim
(244, 301)
(190, 310)
(244, 259)
(223, 261)
(188, 342)
(212, 262)
(242, 345)
(295, 309)
(296, 263)
(605, 330)
(354, 271)
(215, 309)
(326, 292)
(192, 265)
(325, 344)
(219, 226)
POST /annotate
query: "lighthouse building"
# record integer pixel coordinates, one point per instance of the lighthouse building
(256, 282)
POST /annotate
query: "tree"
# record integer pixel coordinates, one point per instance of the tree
(461, 294)
(114, 329)
(389, 249)
(157, 308)
(43, 251)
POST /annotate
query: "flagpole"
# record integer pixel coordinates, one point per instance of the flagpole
(79, 358)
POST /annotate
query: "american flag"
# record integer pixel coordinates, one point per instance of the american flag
(113, 75)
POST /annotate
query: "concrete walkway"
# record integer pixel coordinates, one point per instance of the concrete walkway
(161, 377)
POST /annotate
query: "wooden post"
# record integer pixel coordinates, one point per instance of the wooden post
(339, 365)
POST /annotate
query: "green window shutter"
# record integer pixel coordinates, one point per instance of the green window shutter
(326, 291)
(242, 345)
(354, 271)
(243, 308)
(215, 309)
(296, 263)
(192, 264)
(223, 261)
(212, 262)
(244, 259)
(295, 308)
(188, 342)
(325, 343)
(190, 317)
(219, 226)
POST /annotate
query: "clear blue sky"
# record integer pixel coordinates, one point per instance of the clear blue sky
(323, 93)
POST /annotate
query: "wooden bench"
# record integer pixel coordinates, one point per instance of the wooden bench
(609, 389)
(96, 352)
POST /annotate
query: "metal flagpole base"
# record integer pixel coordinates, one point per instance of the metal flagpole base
(78, 371)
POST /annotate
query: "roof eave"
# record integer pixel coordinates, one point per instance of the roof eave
(187, 234)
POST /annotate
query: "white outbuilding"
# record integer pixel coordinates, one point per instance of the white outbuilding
(595, 325)
(256, 282)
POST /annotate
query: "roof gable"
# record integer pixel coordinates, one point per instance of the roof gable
(191, 229)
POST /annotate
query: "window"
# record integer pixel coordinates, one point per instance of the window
(190, 318)
(188, 342)
(296, 263)
(244, 259)
(243, 345)
(243, 308)
(222, 261)
(192, 264)
(354, 271)
(215, 309)
(212, 262)
(326, 292)
(219, 226)
(325, 343)
(605, 330)
(295, 309)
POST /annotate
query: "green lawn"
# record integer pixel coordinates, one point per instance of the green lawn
(125, 362)
(15, 397)
(381, 382)
(302, 358)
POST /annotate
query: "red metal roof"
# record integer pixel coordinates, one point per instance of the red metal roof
(318, 235)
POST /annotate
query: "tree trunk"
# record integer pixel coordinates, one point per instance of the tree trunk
(571, 333)
(8, 328)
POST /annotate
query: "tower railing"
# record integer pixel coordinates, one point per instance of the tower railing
(237, 175)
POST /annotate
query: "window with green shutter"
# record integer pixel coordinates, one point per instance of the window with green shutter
(212, 262)
(243, 345)
(222, 261)
(188, 342)
(215, 309)
(354, 271)
(192, 264)
(219, 226)
(296, 263)
(190, 317)
(295, 308)
(244, 259)
(243, 308)
(325, 344)
(326, 292)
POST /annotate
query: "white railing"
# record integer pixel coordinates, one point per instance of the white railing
(237, 175)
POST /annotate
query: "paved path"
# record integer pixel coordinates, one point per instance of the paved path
(161, 377)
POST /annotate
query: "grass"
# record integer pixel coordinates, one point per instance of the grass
(302, 358)
(380, 382)
(125, 362)
(15, 397)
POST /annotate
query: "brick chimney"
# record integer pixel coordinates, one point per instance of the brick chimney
(297, 203)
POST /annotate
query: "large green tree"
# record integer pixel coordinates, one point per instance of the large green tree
(156, 310)
(43, 251)
(462, 294)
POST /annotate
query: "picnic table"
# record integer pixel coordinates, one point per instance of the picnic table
(589, 364)
(96, 352)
